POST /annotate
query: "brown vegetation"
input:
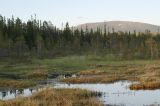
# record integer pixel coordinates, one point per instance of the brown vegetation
(57, 97)
(92, 79)
(145, 86)
(92, 72)
(16, 84)
(149, 80)
(37, 74)
(148, 75)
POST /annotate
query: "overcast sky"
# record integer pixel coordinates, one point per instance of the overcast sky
(82, 11)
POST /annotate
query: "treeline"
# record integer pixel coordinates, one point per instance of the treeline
(42, 39)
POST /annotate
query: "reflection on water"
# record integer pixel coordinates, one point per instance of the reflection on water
(10, 94)
(119, 94)
(6, 94)
(115, 94)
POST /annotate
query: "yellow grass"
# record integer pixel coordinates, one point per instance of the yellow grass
(148, 75)
(92, 72)
(92, 79)
(57, 97)
(37, 74)
(149, 80)
(16, 84)
(145, 86)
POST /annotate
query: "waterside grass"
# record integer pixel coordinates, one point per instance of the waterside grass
(147, 75)
(91, 69)
(16, 84)
(57, 97)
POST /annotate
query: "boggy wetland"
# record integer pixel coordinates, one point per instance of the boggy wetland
(76, 57)
(82, 80)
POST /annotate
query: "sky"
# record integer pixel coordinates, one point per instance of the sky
(83, 11)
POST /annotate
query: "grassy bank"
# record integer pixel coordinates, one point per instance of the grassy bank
(57, 97)
(90, 68)
(28, 79)
(92, 79)
(68, 64)
(146, 73)
(16, 84)
(145, 86)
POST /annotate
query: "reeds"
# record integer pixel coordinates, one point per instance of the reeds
(91, 79)
(92, 72)
(16, 84)
(57, 97)
(37, 74)
(147, 75)
(145, 86)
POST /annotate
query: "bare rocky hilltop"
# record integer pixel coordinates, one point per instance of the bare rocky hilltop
(120, 26)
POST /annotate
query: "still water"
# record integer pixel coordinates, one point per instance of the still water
(6, 94)
(116, 94)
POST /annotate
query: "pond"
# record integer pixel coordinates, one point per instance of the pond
(116, 94)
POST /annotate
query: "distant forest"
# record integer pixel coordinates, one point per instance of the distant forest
(36, 38)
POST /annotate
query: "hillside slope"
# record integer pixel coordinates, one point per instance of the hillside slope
(121, 26)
